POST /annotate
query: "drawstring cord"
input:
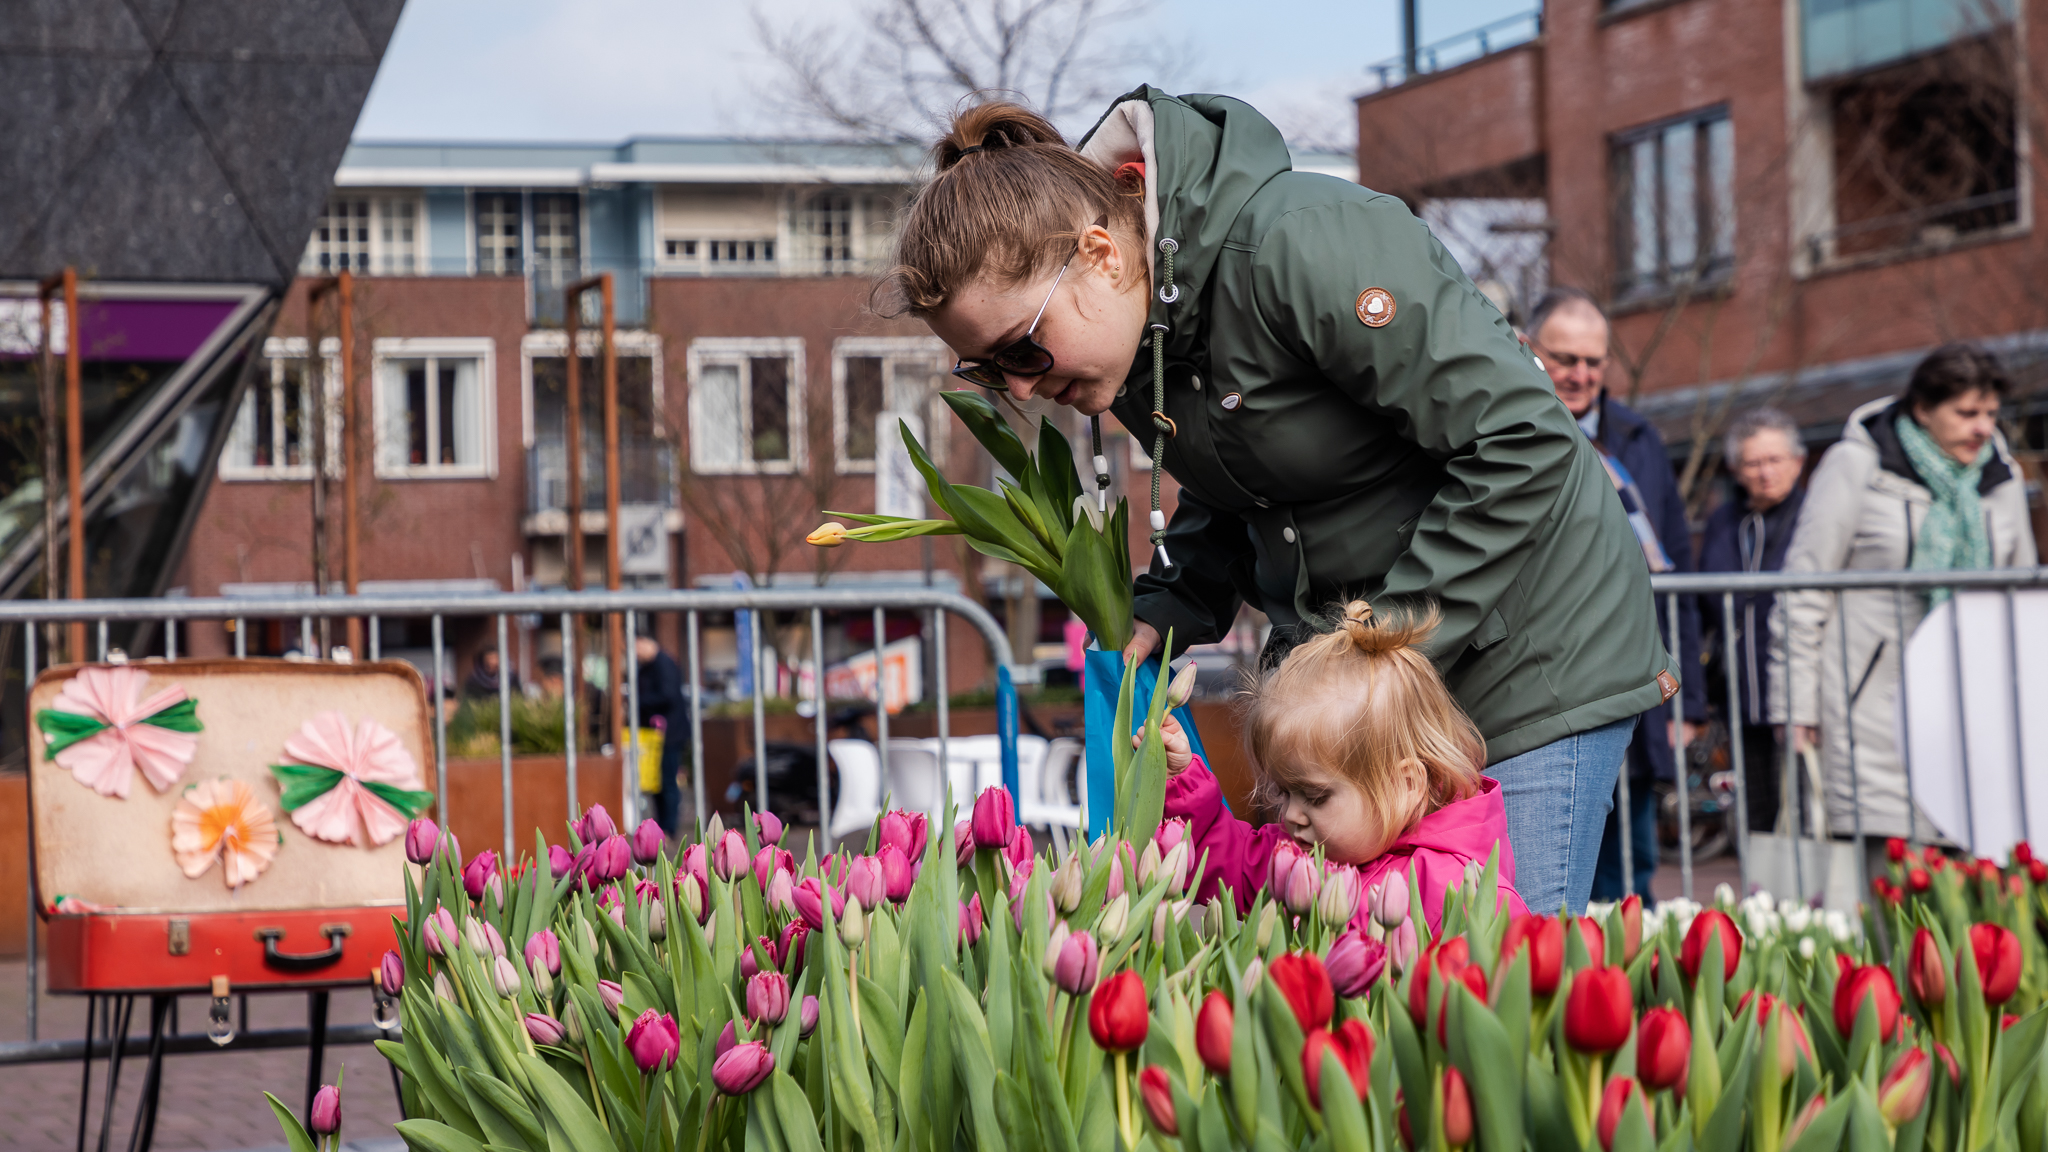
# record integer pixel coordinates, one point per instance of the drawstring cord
(1162, 425)
(1101, 466)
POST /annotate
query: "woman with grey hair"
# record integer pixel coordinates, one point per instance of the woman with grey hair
(1923, 481)
(1750, 533)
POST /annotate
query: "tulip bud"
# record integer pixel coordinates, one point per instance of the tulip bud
(899, 875)
(1254, 975)
(572, 1024)
(994, 821)
(768, 998)
(807, 1017)
(1904, 1088)
(1161, 917)
(1338, 902)
(444, 989)
(963, 843)
(971, 923)
(711, 929)
(1067, 883)
(1351, 1043)
(505, 977)
(391, 973)
(865, 883)
(1354, 962)
(542, 1028)
(1693, 951)
(730, 858)
(422, 837)
(1301, 885)
(544, 952)
(657, 922)
(543, 984)
(1118, 1016)
(769, 826)
(1543, 937)
(1305, 984)
(1599, 1011)
(1631, 928)
(560, 862)
(611, 995)
(1457, 1108)
(1997, 952)
(1895, 850)
(905, 831)
(742, 1069)
(781, 894)
(1182, 689)
(654, 1040)
(1621, 1090)
(1176, 864)
(1663, 1049)
(442, 935)
(1215, 1027)
(595, 825)
(810, 898)
(1263, 935)
(1390, 901)
(1156, 1092)
(1148, 864)
(647, 843)
(853, 926)
(325, 1117)
(1927, 971)
(830, 534)
(613, 859)
(1074, 968)
(1402, 946)
(1114, 919)
(1872, 983)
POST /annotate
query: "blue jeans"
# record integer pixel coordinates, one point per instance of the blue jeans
(1557, 799)
(1642, 830)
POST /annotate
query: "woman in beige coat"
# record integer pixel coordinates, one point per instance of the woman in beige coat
(1923, 481)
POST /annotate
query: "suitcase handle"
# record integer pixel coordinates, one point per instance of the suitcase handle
(303, 961)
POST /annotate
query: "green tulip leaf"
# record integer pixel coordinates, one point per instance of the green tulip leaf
(989, 428)
(424, 1136)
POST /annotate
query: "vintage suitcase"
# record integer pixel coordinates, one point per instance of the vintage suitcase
(115, 874)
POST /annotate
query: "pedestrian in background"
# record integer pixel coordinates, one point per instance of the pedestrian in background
(1751, 533)
(1922, 481)
(484, 671)
(1569, 334)
(665, 705)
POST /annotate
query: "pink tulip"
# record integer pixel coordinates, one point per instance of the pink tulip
(767, 860)
(1122, 863)
(730, 859)
(560, 862)
(477, 872)
(898, 873)
(612, 995)
(963, 843)
(807, 1017)
(749, 965)
(544, 951)
(442, 935)
(1390, 902)
(1171, 834)
(1301, 884)
(742, 1069)
(581, 863)
(696, 862)
(810, 897)
(613, 859)
(906, 831)
(646, 843)
(325, 1117)
(595, 825)
(690, 894)
(971, 923)
(769, 826)
(1075, 969)
(768, 998)
(422, 837)
(1354, 962)
(865, 882)
(781, 893)
(1401, 946)
(727, 1037)
(1281, 864)
(654, 1040)
(544, 1029)
(1339, 900)
(994, 821)
(790, 950)
(1018, 851)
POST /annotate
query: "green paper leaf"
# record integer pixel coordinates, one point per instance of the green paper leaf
(301, 784)
(64, 729)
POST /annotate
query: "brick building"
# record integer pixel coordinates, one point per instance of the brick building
(1779, 201)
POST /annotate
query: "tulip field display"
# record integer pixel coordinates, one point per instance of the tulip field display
(949, 986)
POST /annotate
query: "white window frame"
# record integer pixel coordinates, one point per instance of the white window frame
(276, 350)
(891, 350)
(379, 254)
(740, 350)
(554, 342)
(483, 350)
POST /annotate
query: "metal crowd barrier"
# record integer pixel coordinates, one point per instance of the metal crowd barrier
(567, 609)
(1672, 588)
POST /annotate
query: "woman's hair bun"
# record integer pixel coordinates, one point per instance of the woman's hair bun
(991, 127)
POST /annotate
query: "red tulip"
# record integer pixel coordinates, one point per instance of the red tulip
(2023, 853)
(1157, 1093)
(1871, 982)
(1997, 952)
(1917, 879)
(1544, 937)
(1301, 978)
(1792, 1038)
(1449, 957)
(1352, 1044)
(1904, 1088)
(1709, 923)
(1843, 966)
(1807, 1115)
(1895, 850)
(1118, 1017)
(1948, 1061)
(1215, 1026)
(2037, 871)
(1663, 1049)
(1614, 1101)
(1457, 1108)
(1595, 938)
(1599, 1011)
(1631, 927)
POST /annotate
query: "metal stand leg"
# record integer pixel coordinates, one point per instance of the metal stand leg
(85, 1085)
(139, 1140)
(117, 1039)
(397, 1089)
(316, 1045)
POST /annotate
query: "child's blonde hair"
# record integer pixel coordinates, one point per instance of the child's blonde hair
(1356, 701)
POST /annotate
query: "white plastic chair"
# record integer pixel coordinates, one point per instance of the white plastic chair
(860, 786)
(914, 783)
(1045, 798)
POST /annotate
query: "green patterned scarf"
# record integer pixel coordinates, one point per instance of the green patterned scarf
(1952, 537)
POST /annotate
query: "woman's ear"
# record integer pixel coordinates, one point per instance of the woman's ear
(1100, 251)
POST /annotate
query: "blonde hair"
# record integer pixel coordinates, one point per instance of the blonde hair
(1010, 198)
(1357, 701)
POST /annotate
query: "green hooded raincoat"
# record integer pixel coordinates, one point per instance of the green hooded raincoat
(1320, 457)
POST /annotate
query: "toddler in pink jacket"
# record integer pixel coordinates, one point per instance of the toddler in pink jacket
(1361, 749)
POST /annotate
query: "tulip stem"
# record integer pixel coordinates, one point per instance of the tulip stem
(853, 987)
(1123, 1103)
(596, 1097)
(704, 1129)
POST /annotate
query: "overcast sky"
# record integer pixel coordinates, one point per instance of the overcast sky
(608, 69)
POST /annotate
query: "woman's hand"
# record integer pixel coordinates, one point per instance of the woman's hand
(1144, 642)
(1178, 755)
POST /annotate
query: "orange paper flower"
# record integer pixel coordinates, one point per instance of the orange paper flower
(223, 820)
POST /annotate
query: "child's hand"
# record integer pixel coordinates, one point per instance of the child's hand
(1178, 756)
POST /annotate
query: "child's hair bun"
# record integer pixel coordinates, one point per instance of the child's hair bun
(1376, 637)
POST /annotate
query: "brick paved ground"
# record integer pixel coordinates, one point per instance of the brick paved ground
(211, 1102)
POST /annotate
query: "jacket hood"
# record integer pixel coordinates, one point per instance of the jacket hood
(1205, 157)
(1468, 828)
(1875, 426)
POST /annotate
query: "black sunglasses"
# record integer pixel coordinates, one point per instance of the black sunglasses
(1022, 357)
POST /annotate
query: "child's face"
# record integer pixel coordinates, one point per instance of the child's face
(1331, 810)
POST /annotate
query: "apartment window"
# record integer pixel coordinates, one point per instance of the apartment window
(1675, 203)
(272, 436)
(498, 234)
(739, 251)
(746, 405)
(826, 225)
(556, 233)
(433, 410)
(682, 249)
(874, 376)
(365, 234)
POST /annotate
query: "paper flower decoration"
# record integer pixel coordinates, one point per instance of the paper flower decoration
(104, 730)
(223, 820)
(345, 783)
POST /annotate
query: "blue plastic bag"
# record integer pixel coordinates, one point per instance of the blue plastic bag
(1102, 684)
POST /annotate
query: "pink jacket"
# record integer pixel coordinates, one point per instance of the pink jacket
(1439, 846)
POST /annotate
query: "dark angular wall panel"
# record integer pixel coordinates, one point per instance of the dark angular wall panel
(167, 140)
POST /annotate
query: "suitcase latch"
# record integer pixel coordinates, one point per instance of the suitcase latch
(180, 942)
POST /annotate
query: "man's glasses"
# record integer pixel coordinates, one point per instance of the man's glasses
(1568, 361)
(1022, 357)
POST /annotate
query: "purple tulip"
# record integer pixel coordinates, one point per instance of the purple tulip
(749, 965)
(781, 893)
(769, 826)
(971, 923)
(422, 836)
(906, 831)
(727, 1037)
(647, 843)
(596, 825)
(560, 862)
(654, 1040)
(963, 843)
(994, 821)
(898, 873)
(478, 872)
(865, 882)
(807, 1017)
(768, 860)
(325, 1118)
(614, 858)
(1354, 962)
(742, 1069)
(809, 898)
(581, 864)
(544, 951)
(1076, 967)
(789, 951)
(1390, 901)
(391, 973)
(730, 859)
(612, 995)
(544, 1029)
(442, 935)
(695, 862)
(768, 997)
(1018, 851)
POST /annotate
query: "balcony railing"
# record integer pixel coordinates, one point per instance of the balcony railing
(1463, 48)
(1920, 229)
(646, 474)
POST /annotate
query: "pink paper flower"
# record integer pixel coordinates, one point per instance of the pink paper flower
(107, 761)
(370, 754)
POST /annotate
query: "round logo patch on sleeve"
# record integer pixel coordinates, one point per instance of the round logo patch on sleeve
(1375, 307)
